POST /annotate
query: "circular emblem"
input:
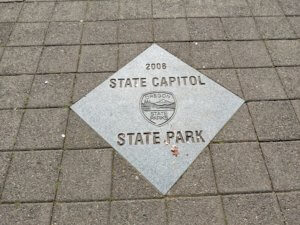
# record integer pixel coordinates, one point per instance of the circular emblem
(158, 107)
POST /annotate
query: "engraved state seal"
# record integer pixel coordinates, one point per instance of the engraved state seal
(158, 107)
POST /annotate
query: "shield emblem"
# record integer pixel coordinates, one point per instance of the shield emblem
(158, 107)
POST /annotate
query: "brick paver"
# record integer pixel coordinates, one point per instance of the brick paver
(54, 169)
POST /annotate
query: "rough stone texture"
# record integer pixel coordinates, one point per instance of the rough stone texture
(291, 80)
(238, 128)
(69, 11)
(51, 90)
(85, 82)
(32, 176)
(295, 23)
(58, 59)
(196, 8)
(147, 212)
(20, 60)
(25, 214)
(80, 135)
(240, 167)
(296, 105)
(206, 29)
(129, 183)
(135, 31)
(127, 52)
(168, 8)
(227, 78)
(258, 209)
(11, 119)
(9, 11)
(42, 128)
(100, 32)
(14, 90)
(284, 52)
(28, 34)
(283, 162)
(261, 83)
(233, 8)
(180, 49)
(265, 7)
(201, 210)
(59, 33)
(275, 27)
(85, 175)
(290, 206)
(198, 179)
(4, 163)
(210, 55)
(81, 213)
(257, 55)
(171, 30)
(102, 10)
(290, 7)
(36, 11)
(98, 58)
(240, 28)
(275, 120)
(134, 9)
(5, 30)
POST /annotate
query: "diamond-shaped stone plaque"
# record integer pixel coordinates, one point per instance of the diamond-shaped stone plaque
(158, 113)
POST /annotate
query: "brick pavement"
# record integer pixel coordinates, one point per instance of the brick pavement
(54, 169)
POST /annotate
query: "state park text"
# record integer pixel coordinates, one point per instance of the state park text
(145, 138)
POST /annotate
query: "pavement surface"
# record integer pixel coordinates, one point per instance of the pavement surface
(55, 170)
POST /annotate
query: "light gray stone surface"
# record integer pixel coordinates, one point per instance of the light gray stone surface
(85, 175)
(81, 213)
(197, 179)
(28, 34)
(14, 90)
(240, 167)
(155, 161)
(51, 90)
(25, 214)
(275, 120)
(12, 120)
(42, 129)
(59, 59)
(201, 210)
(32, 177)
(20, 60)
(283, 162)
(290, 206)
(147, 212)
(5, 158)
(258, 209)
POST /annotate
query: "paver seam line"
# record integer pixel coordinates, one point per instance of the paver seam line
(158, 42)
(217, 186)
(209, 147)
(68, 116)
(113, 150)
(286, 17)
(157, 198)
(5, 45)
(18, 130)
(162, 18)
(256, 133)
(113, 71)
(39, 61)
